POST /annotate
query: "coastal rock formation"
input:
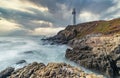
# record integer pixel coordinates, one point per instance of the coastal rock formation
(27, 71)
(100, 54)
(81, 30)
(94, 45)
(52, 70)
(7, 72)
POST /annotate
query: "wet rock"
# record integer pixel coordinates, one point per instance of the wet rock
(64, 36)
(52, 70)
(28, 52)
(7, 72)
(109, 72)
(21, 62)
(27, 71)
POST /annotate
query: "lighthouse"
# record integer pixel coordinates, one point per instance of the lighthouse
(74, 16)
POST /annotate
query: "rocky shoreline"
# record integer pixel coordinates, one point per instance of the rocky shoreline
(51, 70)
(93, 46)
(97, 53)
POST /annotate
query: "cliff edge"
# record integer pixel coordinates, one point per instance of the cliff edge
(81, 30)
(94, 45)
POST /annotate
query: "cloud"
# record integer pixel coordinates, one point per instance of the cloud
(34, 15)
(7, 26)
(113, 11)
(24, 18)
(88, 16)
(42, 23)
(61, 9)
(19, 5)
(46, 31)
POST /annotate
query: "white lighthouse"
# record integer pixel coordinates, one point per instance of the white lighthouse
(74, 16)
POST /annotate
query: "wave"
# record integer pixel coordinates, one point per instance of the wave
(20, 51)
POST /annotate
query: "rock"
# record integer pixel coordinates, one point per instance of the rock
(21, 62)
(64, 36)
(85, 48)
(27, 71)
(7, 72)
(28, 52)
(60, 70)
(93, 76)
(78, 31)
(109, 72)
(51, 70)
(97, 56)
(90, 60)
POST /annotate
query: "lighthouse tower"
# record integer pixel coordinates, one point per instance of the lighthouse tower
(74, 16)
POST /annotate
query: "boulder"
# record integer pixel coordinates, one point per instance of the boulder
(28, 52)
(7, 72)
(27, 71)
(21, 62)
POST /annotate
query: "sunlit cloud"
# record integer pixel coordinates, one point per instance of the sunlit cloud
(48, 24)
(46, 31)
(21, 6)
(8, 26)
(87, 16)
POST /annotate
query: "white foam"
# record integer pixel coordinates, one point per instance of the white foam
(12, 50)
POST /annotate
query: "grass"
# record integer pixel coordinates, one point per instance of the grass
(104, 27)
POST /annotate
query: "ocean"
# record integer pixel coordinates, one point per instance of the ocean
(31, 49)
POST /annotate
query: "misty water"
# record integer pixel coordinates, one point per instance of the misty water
(30, 49)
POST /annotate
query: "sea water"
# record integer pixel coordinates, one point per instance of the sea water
(31, 49)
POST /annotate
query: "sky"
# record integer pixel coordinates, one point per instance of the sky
(47, 17)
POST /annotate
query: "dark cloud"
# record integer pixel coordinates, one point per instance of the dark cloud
(93, 6)
(25, 19)
(96, 6)
(51, 4)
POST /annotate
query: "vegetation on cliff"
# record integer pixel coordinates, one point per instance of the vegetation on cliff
(81, 30)
(103, 27)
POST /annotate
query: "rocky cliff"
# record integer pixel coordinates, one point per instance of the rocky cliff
(94, 45)
(81, 30)
(52, 70)
(100, 54)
